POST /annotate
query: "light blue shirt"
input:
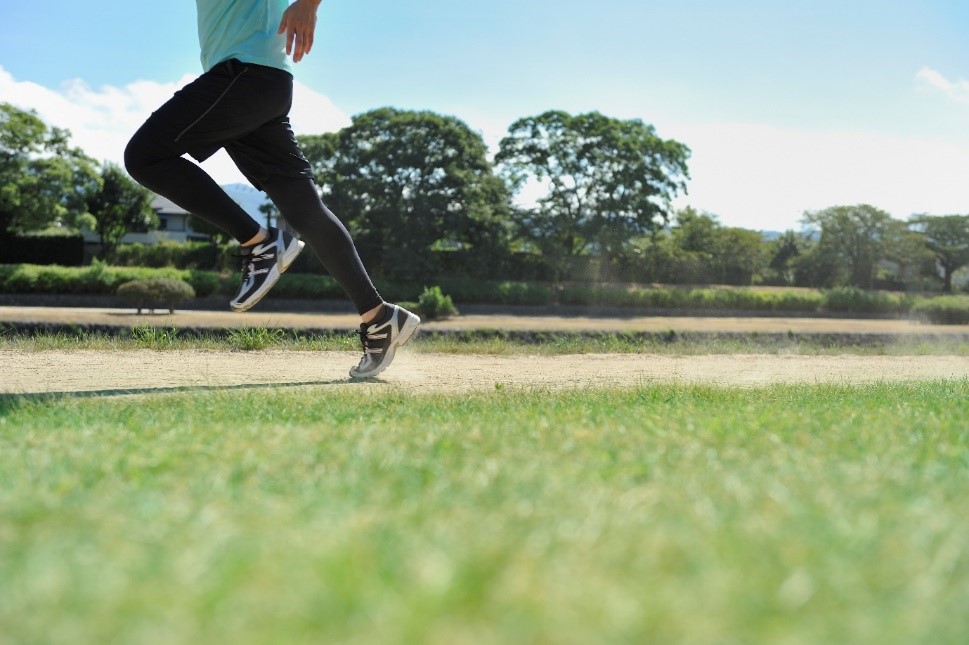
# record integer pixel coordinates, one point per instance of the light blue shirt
(242, 29)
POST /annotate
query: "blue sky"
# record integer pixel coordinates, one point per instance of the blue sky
(787, 106)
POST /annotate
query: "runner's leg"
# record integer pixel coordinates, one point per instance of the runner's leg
(299, 203)
(272, 161)
(220, 106)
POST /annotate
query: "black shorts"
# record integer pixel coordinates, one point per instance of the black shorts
(238, 106)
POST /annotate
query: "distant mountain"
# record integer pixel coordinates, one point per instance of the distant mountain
(249, 198)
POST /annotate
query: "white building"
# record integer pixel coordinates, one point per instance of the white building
(173, 226)
(174, 222)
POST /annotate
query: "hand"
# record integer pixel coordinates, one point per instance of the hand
(299, 24)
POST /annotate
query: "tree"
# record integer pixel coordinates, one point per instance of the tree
(742, 255)
(43, 181)
(202, 226)
(410, 184)
(714, 253)
(605, 180)
(120, 206)
(947, 237)
(913, 264)
(852, 241)
(269, 209)
(784, 252)
(695, 234)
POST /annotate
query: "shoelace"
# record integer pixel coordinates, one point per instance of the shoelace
(365, 340)
(248, 261)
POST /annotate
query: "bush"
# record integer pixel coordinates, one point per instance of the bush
(855, 300)
(698, 299)
(434, 305)
(207, 283)
(180, 255)
(796, 300)
(302, 285)
(521, 293)
(99, 279)
(155, 294)
(944, 310)
(471, 291)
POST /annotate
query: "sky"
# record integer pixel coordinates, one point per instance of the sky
(787, 107)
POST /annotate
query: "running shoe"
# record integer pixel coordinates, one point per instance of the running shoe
(382, 338)
(262, 264)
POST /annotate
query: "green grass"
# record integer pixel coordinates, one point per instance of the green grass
(551, 344)
(817, 514)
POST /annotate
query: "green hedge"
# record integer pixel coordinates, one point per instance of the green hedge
(854, 300)
(189, 255)
(303, 285)
(697, 299)
(944, 310)
(101, 279)
(470, 291)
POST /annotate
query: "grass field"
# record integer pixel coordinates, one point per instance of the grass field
(552, 343)
(807, 514)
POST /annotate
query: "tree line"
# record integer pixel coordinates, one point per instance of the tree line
(422, 198)
(45, 183)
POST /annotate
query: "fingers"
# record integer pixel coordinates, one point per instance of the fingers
(307, 42)
(299, 31)
(303, 44)
(298, 43)
(290, 31)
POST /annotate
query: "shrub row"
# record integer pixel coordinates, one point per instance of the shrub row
(102, 279)
(185, 255)
(944, 310)
(98, 278)
(846, 300)
(697, 299)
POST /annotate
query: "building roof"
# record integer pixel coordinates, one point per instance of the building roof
(165, 206)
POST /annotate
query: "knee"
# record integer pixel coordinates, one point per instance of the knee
(144, 158)
(135, 159)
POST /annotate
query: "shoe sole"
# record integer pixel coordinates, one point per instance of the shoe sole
(289, 256)
(406, 333)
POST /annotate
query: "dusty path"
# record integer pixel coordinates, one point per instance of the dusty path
(113, 372)
(220, 319)
(27, 372)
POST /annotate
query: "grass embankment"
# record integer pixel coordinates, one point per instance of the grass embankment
(664, 514)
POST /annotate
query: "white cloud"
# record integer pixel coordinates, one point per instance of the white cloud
(931, 79)
(764, 177)
(751, 175)
(101, 120)
(315, 113)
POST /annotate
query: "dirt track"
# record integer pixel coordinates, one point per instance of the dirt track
(114, 372)
(220, 319)
(28, 372)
